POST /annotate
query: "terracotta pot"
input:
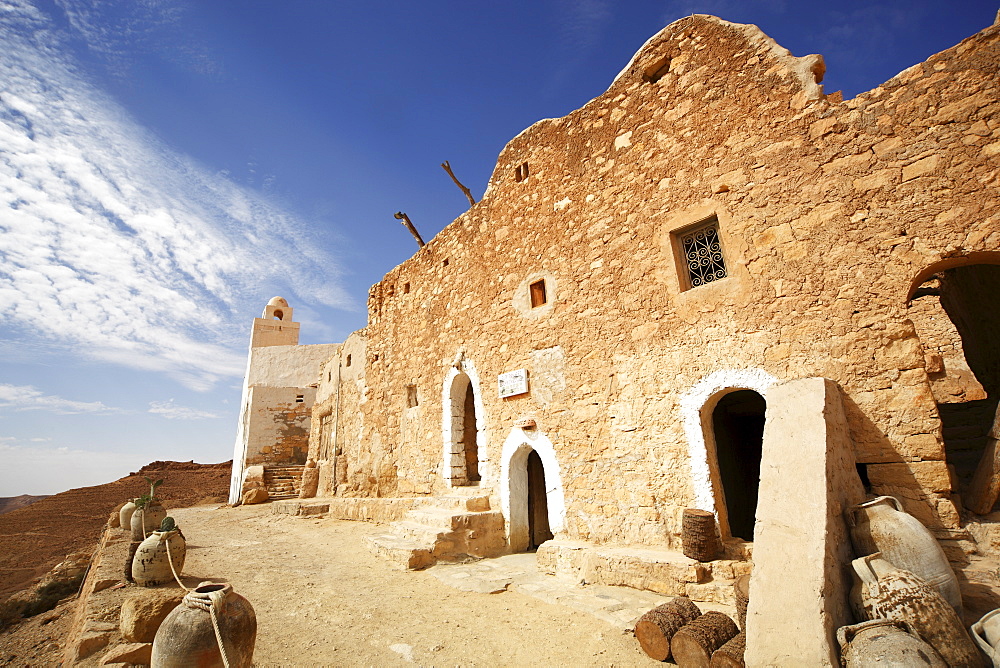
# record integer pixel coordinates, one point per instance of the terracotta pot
(986, 633)
(882, 643)
(125, 516)
(187, 638)
(153, 557)
(881, 525)
(890, 593)
(147, 520)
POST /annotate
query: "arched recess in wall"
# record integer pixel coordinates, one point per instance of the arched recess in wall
(723, 417)
(531, 492)
(954, 305)
(463, 425)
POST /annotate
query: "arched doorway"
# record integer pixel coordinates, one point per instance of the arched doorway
(538, 506)
(737, 432)
(955, 309)
(531, 494)
(462, 431)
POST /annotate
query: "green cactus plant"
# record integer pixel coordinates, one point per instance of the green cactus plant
(152, 486)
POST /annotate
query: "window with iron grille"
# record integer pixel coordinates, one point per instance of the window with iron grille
(702, 253)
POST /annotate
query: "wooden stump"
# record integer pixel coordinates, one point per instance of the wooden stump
(730, 655)
(682, 606)
(699, 538)
(741, 589)
(655, 628)
(694, 645)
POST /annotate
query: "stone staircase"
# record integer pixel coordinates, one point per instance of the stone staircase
(283, 482)
(458, 527)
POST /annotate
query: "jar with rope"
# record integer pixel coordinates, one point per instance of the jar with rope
(213, 626)
(160, 558)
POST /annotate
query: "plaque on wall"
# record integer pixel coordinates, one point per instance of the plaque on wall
(513, 383)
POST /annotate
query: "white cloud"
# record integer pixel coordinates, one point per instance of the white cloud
(172, 411)
(117, 30)
(117, 247)
(28, 398)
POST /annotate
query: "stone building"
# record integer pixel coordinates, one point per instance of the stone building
(713, 286)
(279, 389)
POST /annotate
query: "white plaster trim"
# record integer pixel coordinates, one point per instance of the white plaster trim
(692, 404)
(482, 440)
(516, 447)
(242, 436)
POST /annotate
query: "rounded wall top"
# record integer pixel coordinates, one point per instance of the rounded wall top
(277, 301)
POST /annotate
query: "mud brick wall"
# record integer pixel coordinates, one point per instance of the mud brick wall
(830, 213)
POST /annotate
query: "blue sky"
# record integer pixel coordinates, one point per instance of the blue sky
(167, 166)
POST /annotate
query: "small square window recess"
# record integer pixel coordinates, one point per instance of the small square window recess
(300, 398)
(702, 252)
(537, 292)
(348, 361)
(406, 288)
(445, 262)
(411, 396)
(521, 172)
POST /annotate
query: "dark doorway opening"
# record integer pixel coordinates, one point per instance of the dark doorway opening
(970, 297)
(470, 436)
(738, 426)
(538, 506)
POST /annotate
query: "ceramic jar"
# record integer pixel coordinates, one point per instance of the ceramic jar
(125, 516)
(986, 633)
(154, 556)
(147, 520)
(187, 637)
(881, 525)
(882, 643)
(890, 593)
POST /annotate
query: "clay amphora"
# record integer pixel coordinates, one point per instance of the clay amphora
(187, 638)
(885, 644)
(881, 525)
(986, 633)
(152, 560)
(890, 593)
(125, 516)
(147, 520)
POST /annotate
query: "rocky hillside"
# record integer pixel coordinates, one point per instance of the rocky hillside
(9, 503)
(36, 537)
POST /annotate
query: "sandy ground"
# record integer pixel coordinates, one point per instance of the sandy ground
(322, 599)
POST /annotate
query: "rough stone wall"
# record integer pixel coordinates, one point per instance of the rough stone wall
(352, 462)
(280, 419)
(829, 214)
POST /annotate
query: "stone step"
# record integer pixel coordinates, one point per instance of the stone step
(450, 520)
(419, 533)
(658, 570)
(476, 503)
(402, 553)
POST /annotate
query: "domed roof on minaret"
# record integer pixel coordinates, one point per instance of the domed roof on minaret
(278, 301)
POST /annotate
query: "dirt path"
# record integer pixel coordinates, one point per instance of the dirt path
(322, 598)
